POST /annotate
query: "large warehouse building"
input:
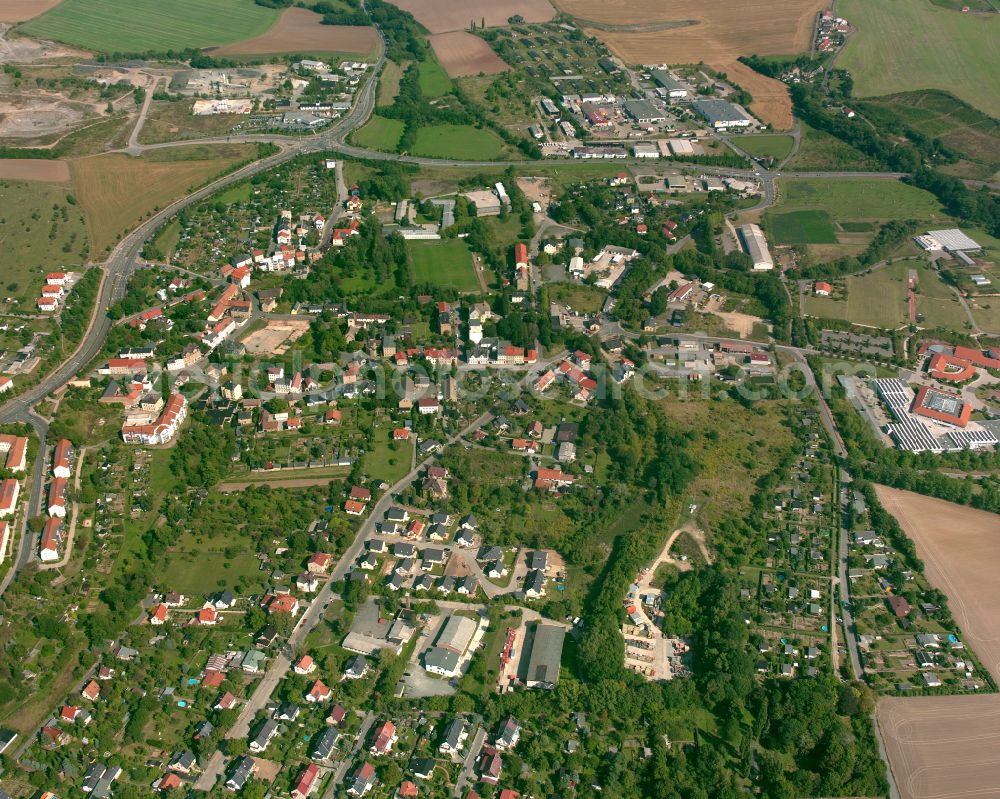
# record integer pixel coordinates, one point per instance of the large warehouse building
(722, 115)
(756, 246)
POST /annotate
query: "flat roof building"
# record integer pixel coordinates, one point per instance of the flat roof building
(721, 114)
(644, 112)
(486, 202)
(756, 246)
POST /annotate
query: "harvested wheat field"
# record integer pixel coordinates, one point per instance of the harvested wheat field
(299, 30)
(34, 169)
(21, 10)
(943, 747)
(713, 31)
(949, 746)
(116, 191)
(461, 54)
(441, 17)
(960, 548)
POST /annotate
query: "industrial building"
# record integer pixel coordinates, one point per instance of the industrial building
(756, 246)
(952, 240)
(644, 112)
(722, 115)
(544, 655)
(671, 87)
(487, 203)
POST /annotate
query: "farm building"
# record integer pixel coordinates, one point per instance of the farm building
(822, 289)
(722, 115)
(756, 246)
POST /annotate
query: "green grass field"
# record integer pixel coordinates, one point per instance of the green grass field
(777, 147)
(40, 229)
(434, 81)
(902, 46)
(379, 133)
(802, 227)
(821, 152)
(443, 263)
(580, 297)
(457, 141)
(136, 26)
(880, 299)
(858, 199)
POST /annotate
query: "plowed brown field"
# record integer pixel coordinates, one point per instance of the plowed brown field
(715, 32)
(299, 30)
(34, 169)
(462, 53)
(21, 10)
(441, 16)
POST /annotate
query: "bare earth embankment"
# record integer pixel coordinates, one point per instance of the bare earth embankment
(299, 30)
(715, 32)
(949, 746)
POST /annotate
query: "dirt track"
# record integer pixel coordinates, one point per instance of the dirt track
(299, 30)
(944, 747)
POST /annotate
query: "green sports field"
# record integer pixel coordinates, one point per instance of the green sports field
(802, 227)
(457, 141)
(446, 263)
(379, 133)
(138, 26)
(902, 45)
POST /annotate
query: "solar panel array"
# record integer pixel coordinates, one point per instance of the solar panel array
(971, 439)
(911, 434)
(908, 433)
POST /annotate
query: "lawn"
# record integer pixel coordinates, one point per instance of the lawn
(434, 81)
(802, 227)
(388, 460)
(137, 26)
(902, 46)
(379, 133)
(457, 141)
(41, 228)
(117, 191)
(445, 263)
(580, 297)
(777, 147)
(194, 567)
